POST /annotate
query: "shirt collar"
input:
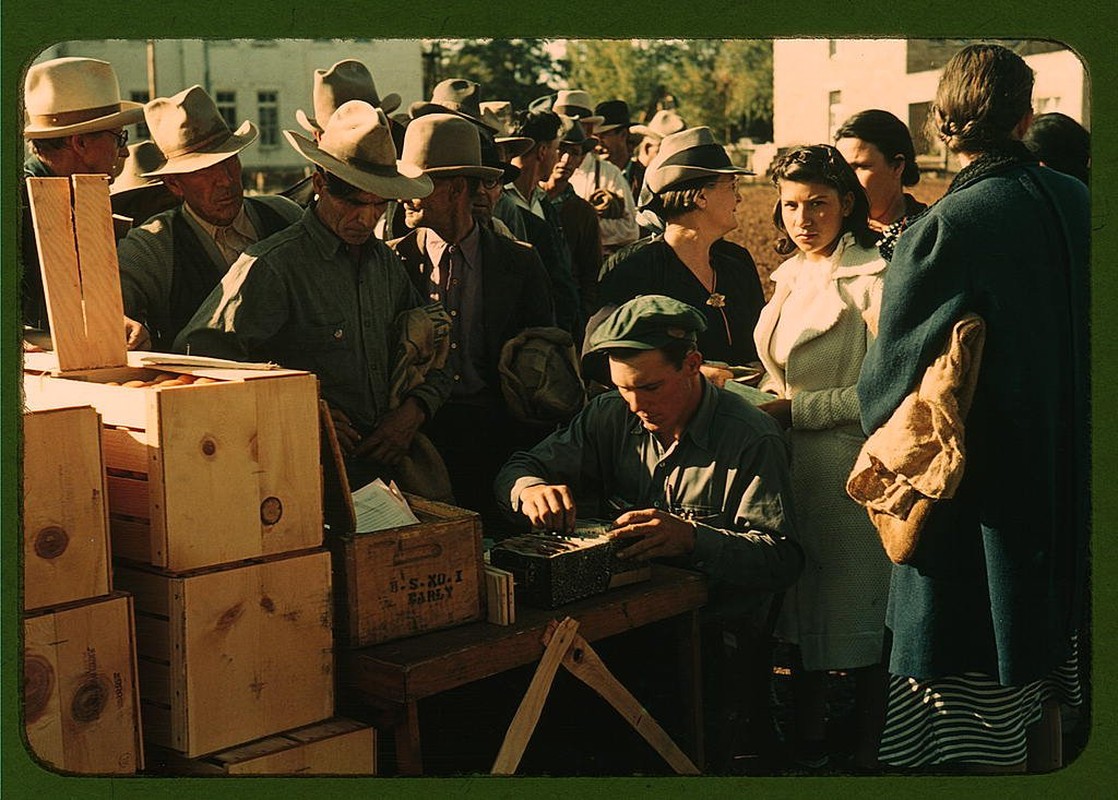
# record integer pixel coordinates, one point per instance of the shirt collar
(467, 246)
(698, 429)
(324, 239)
(240, 223)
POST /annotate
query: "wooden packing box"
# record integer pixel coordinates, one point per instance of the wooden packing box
(216, 471)
(231, 654)
(80, 703)
(409, 580)
(337, 746)
(65, 519)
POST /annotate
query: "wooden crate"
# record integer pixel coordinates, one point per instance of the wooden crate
(199, 474)
(405, 581)
(337, 746)
(228, 655)
(65, 519)
(79, 687)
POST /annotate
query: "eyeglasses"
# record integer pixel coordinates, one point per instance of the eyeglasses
(490, 183)
(121, 138)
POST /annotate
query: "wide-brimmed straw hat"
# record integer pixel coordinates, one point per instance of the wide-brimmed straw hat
(191, 133)
(142, 156)
(664, 122)
(576, 103)
(347, 80)
(497, 114)
(67, 96)
(356, 146)
(614, 114)
(444, 146)
(689, 154)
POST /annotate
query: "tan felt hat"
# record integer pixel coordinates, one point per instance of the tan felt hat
(191, 133)
(348, 79)
(356, 146)
(445, 145)
(67, 96)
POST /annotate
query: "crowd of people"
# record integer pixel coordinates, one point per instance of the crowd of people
(534, 313)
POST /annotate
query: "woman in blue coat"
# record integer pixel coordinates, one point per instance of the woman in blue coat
(984, 617)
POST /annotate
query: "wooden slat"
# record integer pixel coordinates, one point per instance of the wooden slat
(65, 531)
(150, 590)
(104, 344)
(128, 497)
(51, 203)
(125, 449)
(80, 687)
(157, 724)
(131, 538)
(155, 681)
(153, 636)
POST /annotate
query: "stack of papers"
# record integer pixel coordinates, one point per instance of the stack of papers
(379, 506)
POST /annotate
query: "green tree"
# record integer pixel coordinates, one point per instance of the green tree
(518, 70)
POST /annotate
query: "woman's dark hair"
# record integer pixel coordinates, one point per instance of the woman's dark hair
(673, 203)
(888, 134)
(822, 163)
(1061, 143)
(985, 90)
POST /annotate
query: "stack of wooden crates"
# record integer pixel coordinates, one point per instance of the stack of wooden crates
(215, 516)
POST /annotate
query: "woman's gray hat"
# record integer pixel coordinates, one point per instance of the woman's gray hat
(689, 154)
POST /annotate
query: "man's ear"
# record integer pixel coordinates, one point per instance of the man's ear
(692, 361)
(318, 182)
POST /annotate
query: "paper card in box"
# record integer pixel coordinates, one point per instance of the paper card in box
(405, 581)
(200, 475)
(228, 655)
(337, 746)
(65, 522)
(81, 710)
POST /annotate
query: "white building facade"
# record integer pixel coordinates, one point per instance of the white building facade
(818, 83)
(264, 81)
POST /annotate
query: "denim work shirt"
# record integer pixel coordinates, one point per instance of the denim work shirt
(728, 474)
(299, 299)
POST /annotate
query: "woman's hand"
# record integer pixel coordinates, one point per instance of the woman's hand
(780, 410)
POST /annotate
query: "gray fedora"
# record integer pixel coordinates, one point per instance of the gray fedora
(689, 154)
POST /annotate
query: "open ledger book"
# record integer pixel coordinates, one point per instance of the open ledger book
(379, 506)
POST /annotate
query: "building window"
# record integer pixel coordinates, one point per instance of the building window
(922, 140)
(1045, 105)
(832, 47)
(142, 131)
(834, 113)
(267, 108)
(227, 107)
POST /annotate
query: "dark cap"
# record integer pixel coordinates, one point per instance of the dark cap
(646, 323)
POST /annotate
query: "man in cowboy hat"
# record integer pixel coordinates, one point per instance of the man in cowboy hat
(599, 182)
(170, 264)
(545, 231)
(324, 294)
(685, 471)
(348, 79)
(493, 288)
(577, 217)
(74, 125)
(613, 141)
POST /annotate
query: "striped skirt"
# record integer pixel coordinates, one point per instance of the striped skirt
(969, 718)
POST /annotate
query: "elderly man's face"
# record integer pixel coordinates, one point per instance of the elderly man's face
(570, 157)
(614, 145)
(662, 396)
(353, 217)
(102, 153)
(214, 193)
(436, 210)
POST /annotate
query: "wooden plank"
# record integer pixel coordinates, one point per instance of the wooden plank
(287, 453)
(51, 203)
(125, 449)
(117, 405)
(150, 590)
(128, 497)
(65, 528)
(155, 681)
(131, 538)
(153, 636)
(256, 652)
(157, 723)
(528, 712)
(79, 688)
(104, 344)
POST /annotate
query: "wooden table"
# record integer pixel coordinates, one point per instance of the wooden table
(393, 677)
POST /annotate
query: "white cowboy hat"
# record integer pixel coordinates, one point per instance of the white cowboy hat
(577, 103)
(356, 146)
(67, 96)
(664, 122)
(348, 79)
(191, 133)
(445, 145)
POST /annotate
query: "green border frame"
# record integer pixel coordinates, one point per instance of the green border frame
(1087, 27)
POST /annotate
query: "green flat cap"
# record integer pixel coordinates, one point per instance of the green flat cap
(646, 323)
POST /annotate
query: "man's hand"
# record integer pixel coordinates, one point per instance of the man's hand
(348, 437)
(780, 410)
(655, 534)
(549, 506)
(391, 440)
(136, 336)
